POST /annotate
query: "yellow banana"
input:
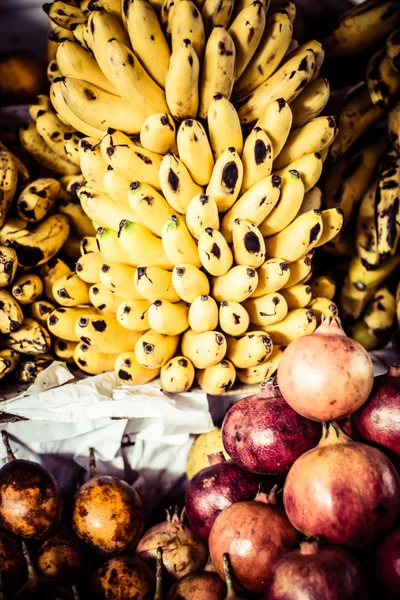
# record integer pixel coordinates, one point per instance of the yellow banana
(98, 108)
(272, 276)
(291, 198)
(224, 127)
(155, 283)
(71, 146)
(382, 80)
(332, 223)
(64, 14)
(178, 244)
(11, 315)
(249, 350)
(366, 237)
(119, 279)
(189, 282)
(64, 350)
(41, 244)
(134, 85)
(204, 349)
(102, 209)
(297, 296)
(116, 186)
(283, 84)
(363, 278)
(348, 180)
(13, 229)
(58, 33)
(269, 54)
(380, 314)
(102, 27)
(176, 183)
(40, 311)
(218, 379)
(186, 24)
(130, 371)
(50, 272)
(195, 151)
(218, 71)
(72, 247)
(297, 239)
(168, 318)
(233, 318)
(38, 198)
(393, 49)
(312, 201)
(93, 361)
(297, 323)
(88, 244)
(114, 7)
(67, 115)
(75, 61)
(8, 361)
(27, 370)
(41, 102)
(266, 310)
(177, 375)
(360, 27)
(108, 244)
(226, 179)
(323, 307)
(104, 333)
(311, 102)
(147, 39)
(202, 212)
(8, 182)
(214, 252)
(264, 370)
(30, 338)
(34, 144)
(182, 82)
(158, 134)
(154, 349)
(300, 270)
(70, 290)
(53, 71)
(52, 131)
(356, 117)
(276, 120)
(323, 287)
(387, 205)
(104, 299)
(78, 34)
(152, 209)
(133, 315)
(308, 166)
(394, 126)
(319, 54)
(248, 244)
(80, 222)
(257, 158)
(133, 238)
(93, 166)
(27, 288)
(353, 300)
(237, 284)
(88, 267)
(312, 137)
(203, 314)
(133, 162)
(246, 31)
(359, 332)
(254, 206)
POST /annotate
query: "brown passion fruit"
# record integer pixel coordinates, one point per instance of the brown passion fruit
(123, 578)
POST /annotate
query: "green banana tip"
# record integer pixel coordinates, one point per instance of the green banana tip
(134, 186)
(173, 222)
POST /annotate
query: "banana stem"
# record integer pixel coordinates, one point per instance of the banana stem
(92, 464)
(159, 575)
(6, 442)
(27, 555)
(76, 593)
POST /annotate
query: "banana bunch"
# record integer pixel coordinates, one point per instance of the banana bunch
(198, 134)
(363, 172)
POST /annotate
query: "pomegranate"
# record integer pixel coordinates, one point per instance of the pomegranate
(263, 434)
(388, 563)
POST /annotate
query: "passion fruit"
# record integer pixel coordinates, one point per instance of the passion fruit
(123, 578)
(62, 557)
(13, 566)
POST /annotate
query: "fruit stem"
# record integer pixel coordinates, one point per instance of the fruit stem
(31, 569)
(92, 464)
(231, 595)
(269, 388)
(75, 593)
(394, 370)
(216, 459)
(309, 546)
(159, 575)
(332, 434)
(268, 497)
(6, 442)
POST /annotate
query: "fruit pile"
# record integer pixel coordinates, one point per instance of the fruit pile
(335, 523)
(363, 175)
(38, 221)
(207, 211)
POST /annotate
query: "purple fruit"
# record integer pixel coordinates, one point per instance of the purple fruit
(378, 420)
(314, 573)
(262, 434)
(388, 563)
(215, 488)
